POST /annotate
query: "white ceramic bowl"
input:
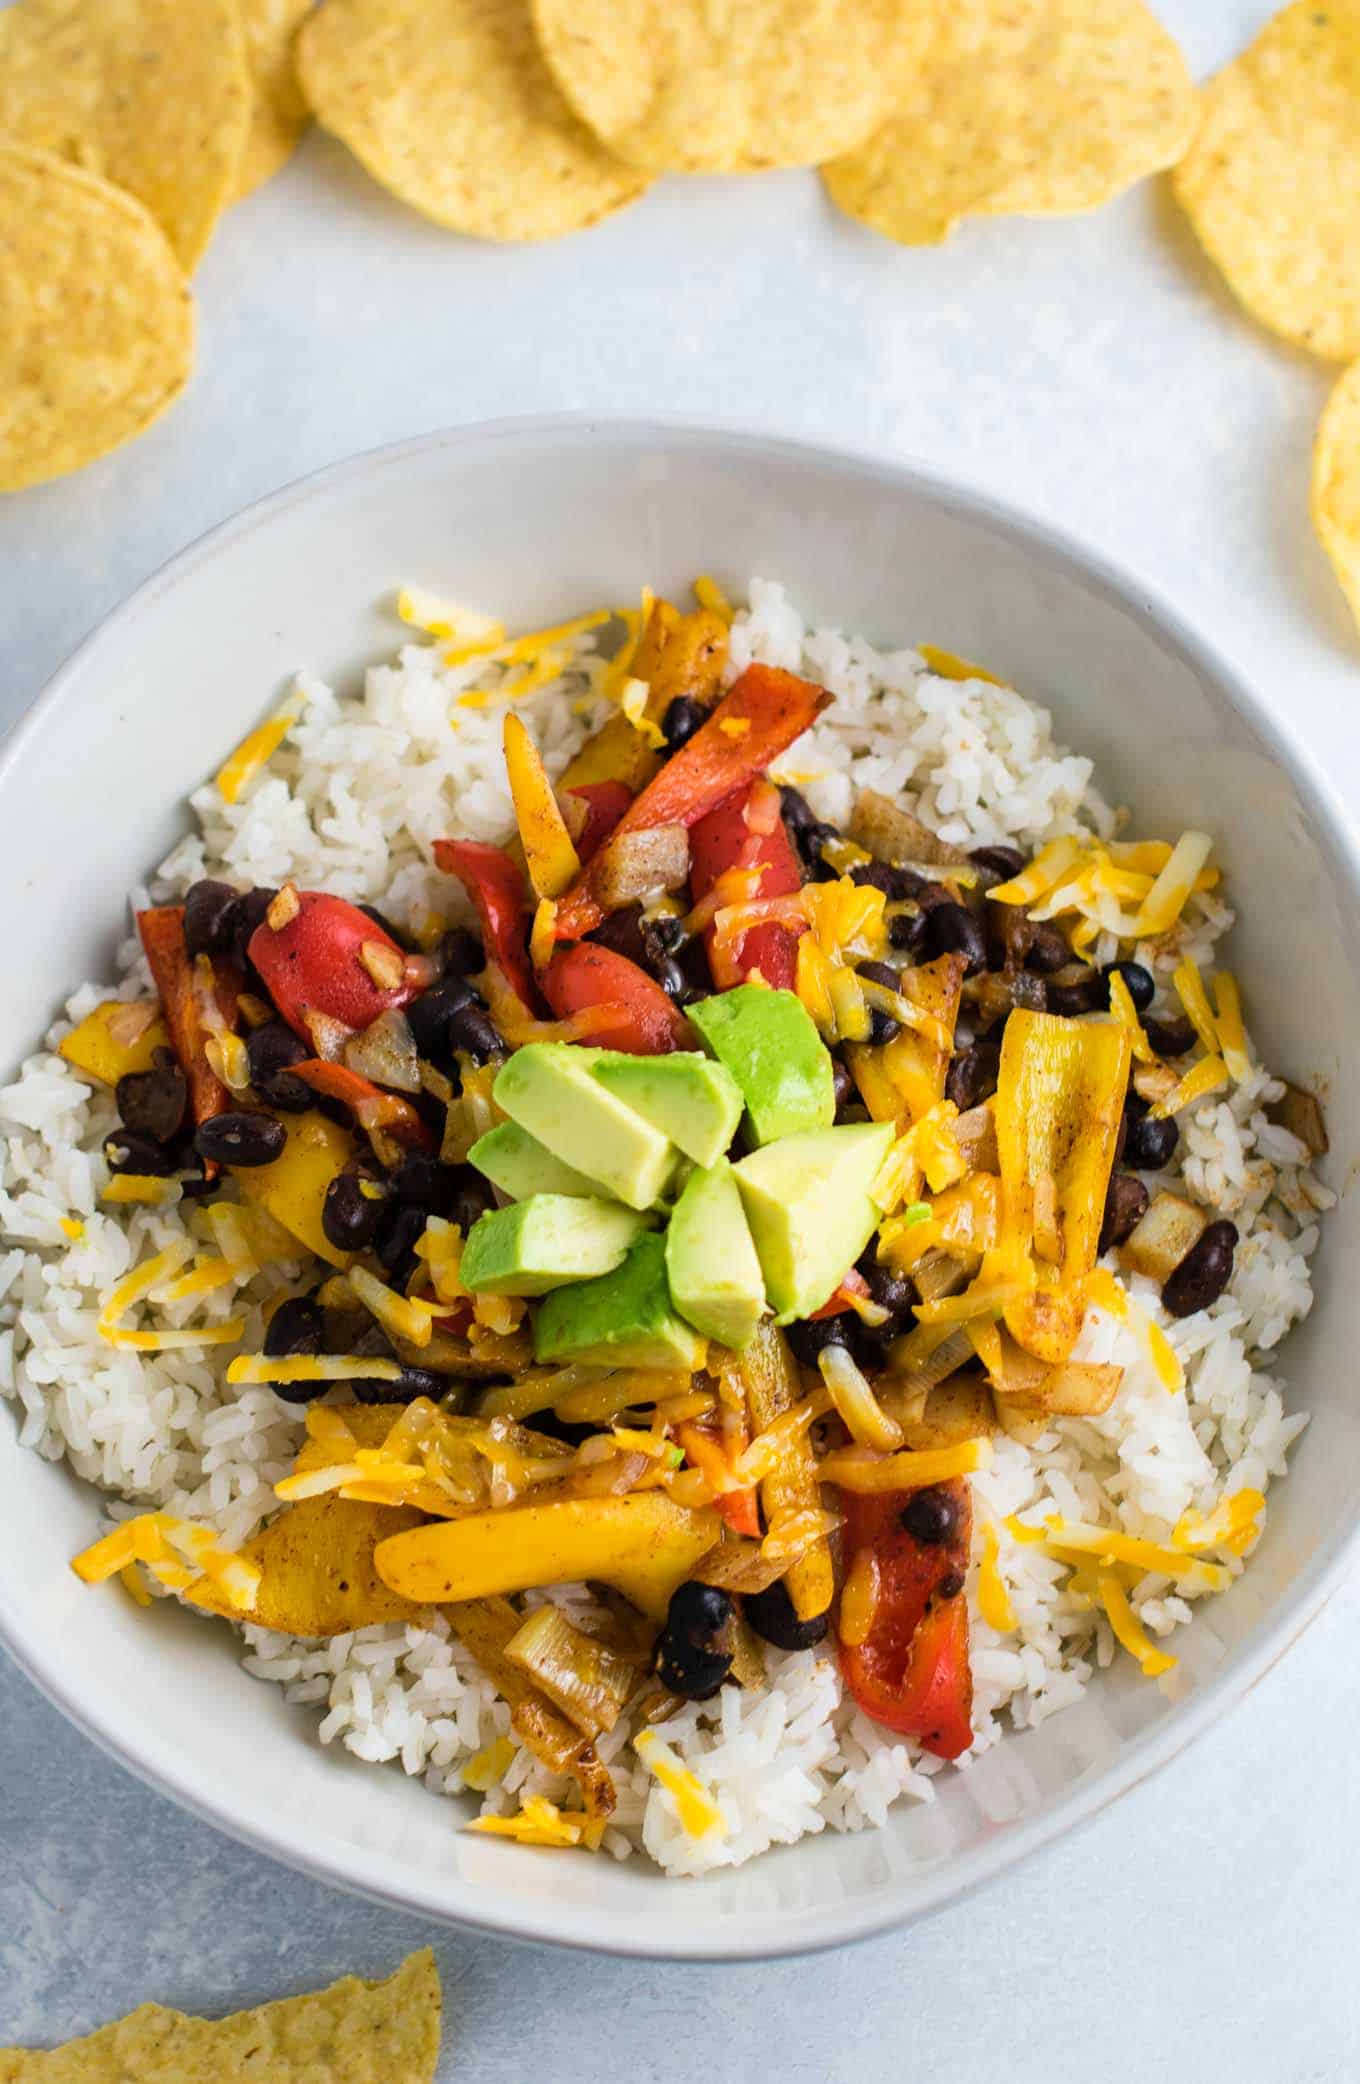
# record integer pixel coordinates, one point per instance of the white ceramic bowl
(537, 519)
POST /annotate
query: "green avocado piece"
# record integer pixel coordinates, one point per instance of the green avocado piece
(768, 1041)
(520, 1165)
(549, 1088)
(688, 1097)
(807, 1202)
(538, 1244)
(711, 1261)
(623, 1320)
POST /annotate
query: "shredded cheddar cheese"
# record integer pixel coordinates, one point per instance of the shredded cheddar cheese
(698, 1813)
(537, 1822)
(173, 1550)
(994, 1602)
(1189, 986)
(1077, 1538)
(1128, 1631)
(1234, 1524)
(710, 595)
(240, 768)
(1232, 1035)
(141, 1187)
(1206, 1077)
(633, 702)
(72, 1227)
(489, 1765)
(311, 1367)
(857, 1469)
(400, 1316)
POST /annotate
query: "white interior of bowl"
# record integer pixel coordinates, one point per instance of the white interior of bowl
(536, 520)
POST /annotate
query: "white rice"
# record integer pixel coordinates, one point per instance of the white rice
(351, 804)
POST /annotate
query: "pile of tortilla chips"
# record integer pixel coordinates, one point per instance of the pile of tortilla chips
(352, 2033)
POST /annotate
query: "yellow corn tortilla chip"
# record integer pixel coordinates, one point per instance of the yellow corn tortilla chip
(1067, 103)
(690, 87)
(96, 319)
(151, 94)
(352, 2033)
(279, 112)
(1271, 183)
(1336, 483)
(450, 106)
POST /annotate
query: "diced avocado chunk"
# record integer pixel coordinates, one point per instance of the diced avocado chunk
(538, 1244)
(623, 1320)
(768, 1041)
(807, 1202)
(711, 1260)
(688, 1097)
(520, 1165)
(549, 1088)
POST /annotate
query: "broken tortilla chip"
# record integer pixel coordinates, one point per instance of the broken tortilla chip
(1271, 183)
(96, 319)
(450, 106)
(693, 88)
(279, 113)
(1065, 105)
(1336, 483)
(353, 2033)
(152, 95)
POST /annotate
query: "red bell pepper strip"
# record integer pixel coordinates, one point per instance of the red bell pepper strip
(712, 1454)
(496, 886)
(605, 802)
(371, 1107)
(758, 718)
(912, 1672)
(644, 1022)
(852, 1283)
(189, 992)
(315, 964)
(725, 839)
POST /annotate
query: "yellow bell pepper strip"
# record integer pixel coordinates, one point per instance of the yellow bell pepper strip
(292, 1188)
(1059, 1098)
(906, 1076)
(642, 1543)
(551, 858)
(119, 1037)
(316, 1568)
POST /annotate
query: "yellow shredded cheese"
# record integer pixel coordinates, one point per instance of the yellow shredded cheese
(72, 1227)
(399, 1315)
(138, 1284)
(204, 1279)
(1106, 1293)
(489, 1765)
(1206, 1077)
(860, 1595)
(1189, 986)
(698, 1813)
(156, 1539)
(543, 934)
(1126, 1013)
(1234, 1524)
(947, 665)
(849, 1010)
(537, 1822)
(228, 1333)
(144, 1187)
(239, 770)
(436, 617)
(1165, 901)
(1128, 1632)
(311, 1367)
(994, 1602)
(1083, 1538)
(859, 1470)
(633, 702)
(1232, 1035)
(710, 595)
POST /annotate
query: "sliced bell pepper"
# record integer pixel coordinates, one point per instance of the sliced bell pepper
(758, 718)
(726, 839)
(316, 963)
(496, 886)
(911, 1673)
(188, 992)
(371, 1107)
(605, 802)
(1059, 1099)
(552, 860)
(647, 1023)
(712, 1454)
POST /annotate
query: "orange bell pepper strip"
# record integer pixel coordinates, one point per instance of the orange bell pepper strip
(757, 719)
(712, 1455)
(371, 1107)
(911, 1672)
(188, 993)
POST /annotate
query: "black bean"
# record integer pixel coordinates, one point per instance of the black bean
(771, 1615)
(246, 915)
(422, 1182)
(892, 1291)
(1001, 863)
(973, 1074)
(430, 1014)
(349, 1216)
(1204, 1272)
(209, 917)
(931, 1516)
(843, 1085)
(880, 973)
(952, 929)
(1149, 1143)
(931, 896)
(682, 719)
(899, 884)
(272, 1049)
(882, 1027)
(666, 931)
(907, 930)
(471, 1197)
(694, 1649)
(795, 809)
(240, 1139)
(154, 1102)
(1126, 1202)
(400, 1226)
(671, 978)
(129, 1151)
(1174, 1037)
(461, 954)
(1030, 992)
(813, 838)
(415, 1382)
(623, 932)
(1138, 982)
(472, 1029)
(1083, 995)
(297, 1326)
(1047, 950)
(807, 1337)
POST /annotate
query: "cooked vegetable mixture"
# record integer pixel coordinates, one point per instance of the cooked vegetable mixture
(674, 1231)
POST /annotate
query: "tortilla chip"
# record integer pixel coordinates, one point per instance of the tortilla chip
(692, 88)
(96, 320)
(1336, 484)
(1047, 107)
(279, 114)
(151, 94)
(450, 106)
(1272, 181)
(353, 2033)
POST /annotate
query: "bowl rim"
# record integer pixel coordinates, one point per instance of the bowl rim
(456, 1901)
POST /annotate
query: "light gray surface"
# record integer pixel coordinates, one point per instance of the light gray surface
(1093, 370)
